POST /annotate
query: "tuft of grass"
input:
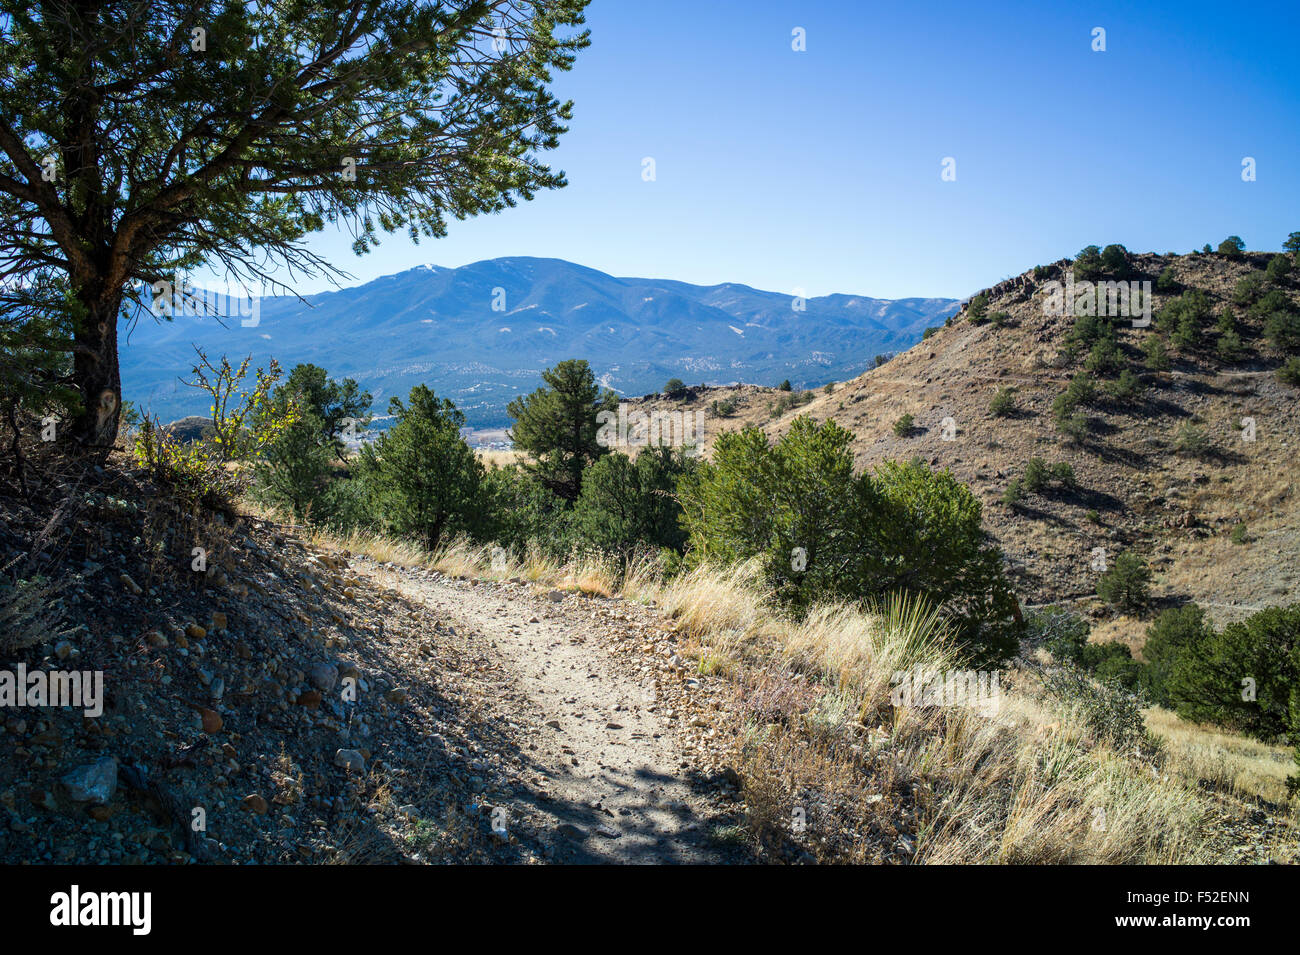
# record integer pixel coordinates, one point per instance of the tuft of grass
(1022, 784)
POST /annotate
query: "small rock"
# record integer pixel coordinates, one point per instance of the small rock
(555, 596)
(310, 698)
(324, 676)
(155, 639)
(194, 631)
(94, 782)
(350, 759)
(254, 803)
(570, 831)
(609, 832)
(126, 581)
(218, 621)
(396, 695)
(210, 719)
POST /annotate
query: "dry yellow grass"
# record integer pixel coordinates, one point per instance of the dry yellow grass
(1023, 784)
(500, 459)
(1232, 763)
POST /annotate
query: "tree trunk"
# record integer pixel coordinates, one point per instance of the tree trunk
(96, 373)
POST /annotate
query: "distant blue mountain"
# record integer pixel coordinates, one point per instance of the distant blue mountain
(483, 333)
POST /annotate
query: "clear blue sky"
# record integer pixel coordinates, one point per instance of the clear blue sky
(820, 170)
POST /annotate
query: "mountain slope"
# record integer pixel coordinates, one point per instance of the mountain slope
(481, 334)
(1136, 490)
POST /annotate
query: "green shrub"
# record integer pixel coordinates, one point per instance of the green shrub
(1015, 492)
(1126, 585)
(932, 330)
(1289, 373)
(1064, 634)
(784, 386)
(1229, 347)
(1040, 476)
(1240, 534)
(1068, 419)
(296, 468)
(631, 505)
(1167, 639)
(1075, 425)
(1126, 387)
(1187, 336)
(904, 425)
(1114, 262)
(1274, 300)
(426, 482)
(1000, 319)
(1192, 306)
(1003, 403)
(902, 527)
(1249, 289)
(1282, 328)
(977, 309)
(1157, 358)
(1192, 440)
(1105, 357)
(1232, 247)
(1165, 282)
(1244, 676)
(526, 514)
(1088, 264)
(195, 472)
(1111, 713)
(1279, 269)
(674, 386)
(786, 402)
(723, 407)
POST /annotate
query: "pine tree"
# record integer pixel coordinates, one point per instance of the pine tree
(142, 140)
(425, 481)
(557, 425)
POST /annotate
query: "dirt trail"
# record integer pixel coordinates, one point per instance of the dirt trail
(604, 779)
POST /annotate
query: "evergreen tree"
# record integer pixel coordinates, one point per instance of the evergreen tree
(141, 140)
(339, 407)
(425, 481)
(557, 426)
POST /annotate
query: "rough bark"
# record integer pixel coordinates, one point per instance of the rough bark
(96, 373)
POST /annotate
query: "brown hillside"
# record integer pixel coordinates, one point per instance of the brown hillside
(1176, 509)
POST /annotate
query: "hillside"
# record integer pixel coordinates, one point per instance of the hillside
(1177, 509)
(483, 333)
(310, 700)
(488, 721)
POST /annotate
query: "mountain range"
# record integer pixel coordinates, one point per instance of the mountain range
(482, 334)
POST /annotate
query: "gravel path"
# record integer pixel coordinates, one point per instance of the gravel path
(604, 778)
